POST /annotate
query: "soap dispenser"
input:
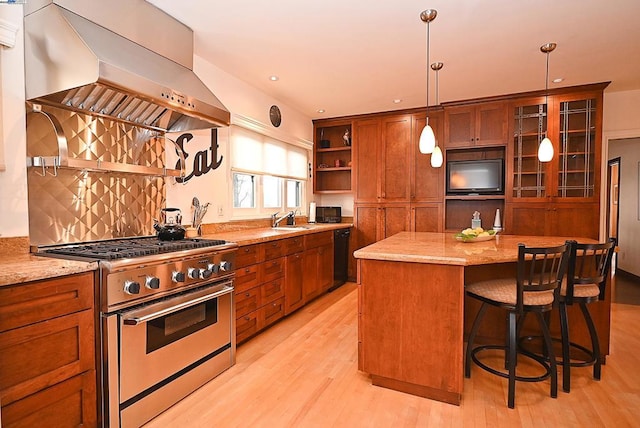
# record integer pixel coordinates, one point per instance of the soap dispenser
(475, 221)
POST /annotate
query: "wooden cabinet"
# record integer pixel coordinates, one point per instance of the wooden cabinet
(366, 146)
(395, 150)
(275, 278)
(259, 287)
(482, 124)
(389, 166)
(294, 275)
(427, 217)
(553, 219)
(374, 222)
(47, 353)
(427, 183)
(317, 264)
(570, 183)
(397, 189)
(332, 157)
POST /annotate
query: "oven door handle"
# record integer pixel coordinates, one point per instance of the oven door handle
(143, 315)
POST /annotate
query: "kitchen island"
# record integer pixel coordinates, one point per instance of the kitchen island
(412, 310)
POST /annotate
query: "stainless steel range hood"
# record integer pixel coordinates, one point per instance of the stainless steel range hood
(74, 63)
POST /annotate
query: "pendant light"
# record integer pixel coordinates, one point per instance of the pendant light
(545, 149)
(427, 138)
(436, 156)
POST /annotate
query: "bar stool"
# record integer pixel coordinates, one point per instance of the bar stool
(586, 282)
(536, 289)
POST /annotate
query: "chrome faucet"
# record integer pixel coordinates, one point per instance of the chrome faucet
(276, 221)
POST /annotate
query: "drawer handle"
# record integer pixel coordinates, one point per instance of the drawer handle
(246, 250)
(247, 318)
(247, 270)
(247, 295)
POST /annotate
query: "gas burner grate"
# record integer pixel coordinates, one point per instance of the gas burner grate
(130, 248)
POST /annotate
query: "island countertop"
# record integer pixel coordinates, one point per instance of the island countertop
(444, 249)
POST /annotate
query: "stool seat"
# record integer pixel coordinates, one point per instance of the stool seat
(581, 291)
(505, 291)
(536, 288)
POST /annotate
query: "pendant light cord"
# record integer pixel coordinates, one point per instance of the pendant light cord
(427, 123)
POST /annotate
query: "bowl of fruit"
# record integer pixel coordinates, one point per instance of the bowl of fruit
(477, 234)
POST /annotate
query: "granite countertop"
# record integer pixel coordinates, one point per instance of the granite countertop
(265, 234)
(17, 265)
(443, 248)
(19, 268)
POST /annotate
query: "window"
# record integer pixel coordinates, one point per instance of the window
(268, 175)
(294, 194)
(272, 191)
(244, 190)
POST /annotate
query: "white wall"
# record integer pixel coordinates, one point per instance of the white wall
(622, 139)
(628, 150)
(249, 108)
(13, 180)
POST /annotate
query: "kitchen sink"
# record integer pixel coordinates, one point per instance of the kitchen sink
(292, 227)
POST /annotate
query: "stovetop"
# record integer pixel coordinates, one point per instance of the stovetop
(127, 248)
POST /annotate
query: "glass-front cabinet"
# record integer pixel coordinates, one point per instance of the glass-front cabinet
(560, 197)
(529, 128)
(573, 123)
(577, 154)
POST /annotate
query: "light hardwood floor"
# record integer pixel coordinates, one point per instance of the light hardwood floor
(302, 372)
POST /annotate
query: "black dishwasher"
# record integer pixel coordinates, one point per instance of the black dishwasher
(340, 257)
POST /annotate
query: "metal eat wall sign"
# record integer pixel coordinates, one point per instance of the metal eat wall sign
(199, 162)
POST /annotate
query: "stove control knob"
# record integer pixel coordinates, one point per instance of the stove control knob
(225, 266)
(213, 267)
(131, 287)
(152, 283)
(193, 273)
(205, 273)
(177, 276)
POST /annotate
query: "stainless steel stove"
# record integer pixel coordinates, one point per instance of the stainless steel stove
(167, 319)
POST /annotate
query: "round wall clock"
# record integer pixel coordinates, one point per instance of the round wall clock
(275, 116)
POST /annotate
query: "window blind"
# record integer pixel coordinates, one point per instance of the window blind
(257, 153)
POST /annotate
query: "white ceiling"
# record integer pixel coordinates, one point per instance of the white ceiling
(357, 56)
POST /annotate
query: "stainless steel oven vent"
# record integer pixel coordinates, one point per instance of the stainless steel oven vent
(74, 63)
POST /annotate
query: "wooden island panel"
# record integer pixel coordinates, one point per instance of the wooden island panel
(413, 317)
(406, 332)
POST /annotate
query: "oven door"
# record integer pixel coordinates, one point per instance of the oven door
(160, 342)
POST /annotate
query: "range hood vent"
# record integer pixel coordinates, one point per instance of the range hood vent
(77, 64)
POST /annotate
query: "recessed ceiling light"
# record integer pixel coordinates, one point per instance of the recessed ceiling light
(397, 101)
(558, 79)
(273, 78)
(321, 110)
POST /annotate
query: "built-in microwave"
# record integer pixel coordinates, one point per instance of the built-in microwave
(329, 214)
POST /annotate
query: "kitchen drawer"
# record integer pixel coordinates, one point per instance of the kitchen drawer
(246, 326)
(273, 249)
(25, 304)
(272, 269)
(247, 301)
(272, 290)
(26, 354)
(271, 312)
(293, 245)
(249, 255)
(318, 239)
(247, 277)
(70, 403)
